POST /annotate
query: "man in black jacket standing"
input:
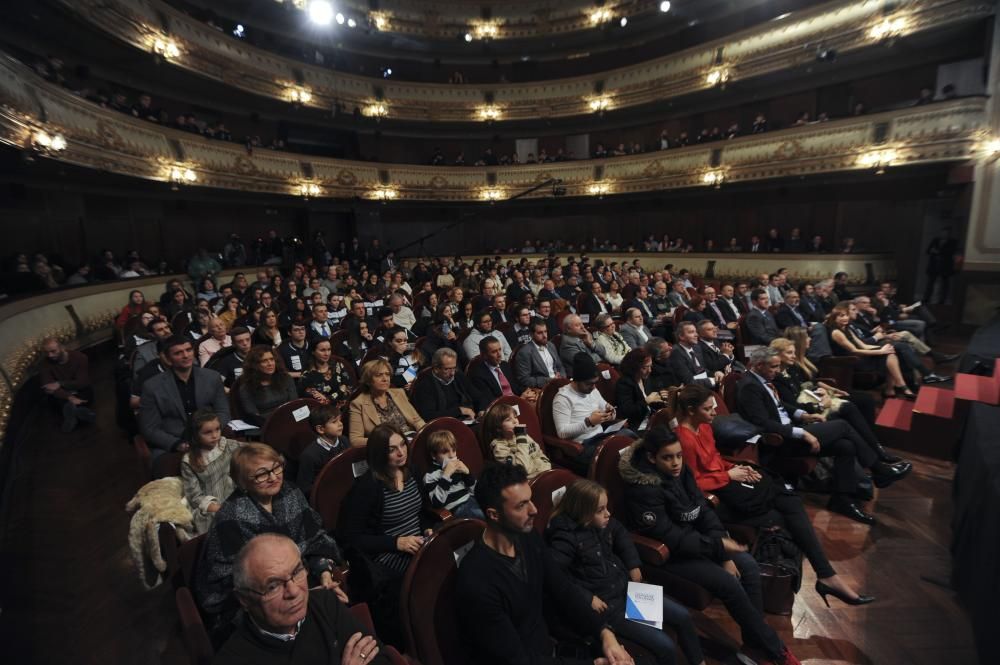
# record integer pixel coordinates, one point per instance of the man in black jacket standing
(501, 582)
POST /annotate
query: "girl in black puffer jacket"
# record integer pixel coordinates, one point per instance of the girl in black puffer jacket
(597, 551)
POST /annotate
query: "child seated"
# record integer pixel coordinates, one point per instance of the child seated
(450, 484)
(330, 441)
(510, 443)
(205, 468)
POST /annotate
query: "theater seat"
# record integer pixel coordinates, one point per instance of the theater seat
(527, 416)
(334, 481)
(563, 452)
(196, 640)
(349, 365)
(287, 432)
(188, 555)
(427, 598)
(604, 471)
(607, 386)
(547, 489)
(362, 613)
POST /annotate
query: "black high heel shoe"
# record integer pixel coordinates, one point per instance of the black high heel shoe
(904, 393)
(823, 590)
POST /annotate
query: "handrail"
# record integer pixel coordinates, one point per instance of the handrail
(844, 25)
(946, 131)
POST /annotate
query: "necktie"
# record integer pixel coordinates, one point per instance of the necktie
(774, 391)
(326, 331)
(504, 383)
(694, 359)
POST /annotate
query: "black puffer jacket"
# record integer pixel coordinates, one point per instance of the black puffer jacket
(598, 559)
(670, 510)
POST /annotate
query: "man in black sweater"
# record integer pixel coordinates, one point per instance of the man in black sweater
(502, 579)
(283, 621)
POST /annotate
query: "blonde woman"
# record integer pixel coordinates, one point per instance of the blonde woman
(380, 403)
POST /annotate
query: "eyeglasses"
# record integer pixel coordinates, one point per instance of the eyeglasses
(261, 476)
(274, 587)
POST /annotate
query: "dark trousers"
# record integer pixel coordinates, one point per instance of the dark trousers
(742, 597)
(866, 405)
(787, 511)
(909, 360)
(838, 440)
(657, 641)
(851, 413)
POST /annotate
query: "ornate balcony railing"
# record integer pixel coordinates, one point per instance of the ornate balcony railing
(48, 120)
(843, 25)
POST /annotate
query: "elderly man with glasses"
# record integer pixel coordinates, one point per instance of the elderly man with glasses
(285, 621)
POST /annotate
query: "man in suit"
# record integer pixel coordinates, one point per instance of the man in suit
(790, 314)
(539, 362)
(447, 392)
(493, 377)
(809, 305)
(816, 245)
(728, 304)
(760, 322)
(795, 243)
(169, 399)
(687, 361)
(678, 295)
(577, 339)
(319, 327)
(634, 330)
(659, 302)
(548, 291)
(759, 403)
(595, 303)
(755, 245)
(543, 310)
(720, 314)
(569, 291)
(719, 354)
(742, 298)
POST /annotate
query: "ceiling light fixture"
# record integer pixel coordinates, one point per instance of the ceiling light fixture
(714, 178)
(384, 194)
(340, 18)
(878, 160)
(320, 12)
(489, 113)
(166, 47)
(308, 190)
(600, 104)
(601, 15)
(623, 22)
(717, 76)
(492, 195)
(664, 6)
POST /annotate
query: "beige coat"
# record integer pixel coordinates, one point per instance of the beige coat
(523, 451)
(365, 418)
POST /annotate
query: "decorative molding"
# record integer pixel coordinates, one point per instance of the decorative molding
(951, 131)
(767, 48)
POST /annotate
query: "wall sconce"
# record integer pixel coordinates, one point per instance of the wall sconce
(180, 174)
(486, 30)
(492, 195)
(717, 76)
(166, 47)
(599, 189)
(46, 143)
(489, 113)
(714, 178)
(887, 28)
(601, 15)
(299, 95)
(992, 148)
(878, 160)
(378, 110)
(384, 194)
(600, 104)
(309, 190)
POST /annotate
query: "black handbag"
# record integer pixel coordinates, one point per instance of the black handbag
(780, 562)
(731, 432)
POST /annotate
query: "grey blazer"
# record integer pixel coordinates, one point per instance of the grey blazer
(570, 346)
(628, 331)
(529, 368)
(162, 419)
(677, 300)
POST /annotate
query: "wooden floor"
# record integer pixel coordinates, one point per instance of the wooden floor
(72, 595)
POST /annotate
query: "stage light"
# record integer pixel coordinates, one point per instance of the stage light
(489, 113)
(308, 190)
(166, 48)
(351, 23)
(340, 18)
(717, 76)
(598, 189)
(714, 178)
(601, 15)
(320, 12)
(468, 37)
(600, 104)
(387, 72)
(384, 194)
(623, 22)
(664, 6)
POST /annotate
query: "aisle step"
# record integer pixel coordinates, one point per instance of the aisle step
(896, 414)
(939, 402)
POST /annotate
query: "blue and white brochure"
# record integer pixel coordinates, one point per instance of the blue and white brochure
(644, 604)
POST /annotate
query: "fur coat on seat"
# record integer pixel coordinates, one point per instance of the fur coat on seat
(156, 502)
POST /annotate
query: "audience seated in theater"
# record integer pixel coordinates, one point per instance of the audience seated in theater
(598, 553)
(510, 442)
(596, 303)
(718, 354)
(678, 295)
(229, 362)
(880, 359)
(383, 522)
(520, 332)
(760, 322)
(171, 398)
(295, 349)
(502, 619)
(662, 374)
(378, 402)
(760, 403)
(687, 361)
(544, 312)
(539, 362)
(143, 353)
(64, 376)
(264, 385)
(205, 468)
(634, 401)
(907, 344)
(750, 496)
(406, 362)
(284, 619)
(446, 392)
(232, 312)
(494, 377)
(696, 312)
(579, 411)
(261, 503)
(483, 328)
(577, 339)
(267, 333)
(358, 341)
(320, 325)
(615, 346)
(790, 313)
(663, 502)
(449, 484)
(634, 330)
(324, 380)
(402, 314)
(216, 339)
(135, 307)
(327, 421)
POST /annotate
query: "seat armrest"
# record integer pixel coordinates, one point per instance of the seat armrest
(651, 551)
(438, 514)
(712, 499)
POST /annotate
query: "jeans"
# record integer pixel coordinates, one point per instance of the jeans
(657, 641)
(742, 597)
(469, 508)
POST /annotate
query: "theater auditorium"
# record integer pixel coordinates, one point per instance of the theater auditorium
(543, 332)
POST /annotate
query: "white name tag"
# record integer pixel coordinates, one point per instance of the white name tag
(606, 374)
(301, 413)
(700, 375)
(237, 372)
(359, 468)
(297, 363)
(377, 303)
(585, 318)
(557, 495)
